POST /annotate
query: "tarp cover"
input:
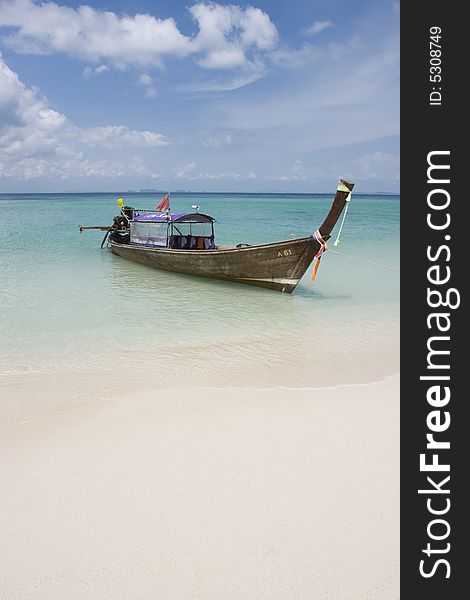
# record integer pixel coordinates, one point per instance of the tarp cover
(149, 234)
(155, 217)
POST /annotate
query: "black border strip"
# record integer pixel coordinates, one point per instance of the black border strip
(425, 129)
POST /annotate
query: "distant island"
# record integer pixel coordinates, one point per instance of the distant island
(154, 191)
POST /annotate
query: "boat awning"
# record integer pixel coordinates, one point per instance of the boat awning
(157, 217)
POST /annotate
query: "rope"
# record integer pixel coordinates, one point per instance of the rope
(323, 247)
(368, 262)
(321, 241)
(342, 188)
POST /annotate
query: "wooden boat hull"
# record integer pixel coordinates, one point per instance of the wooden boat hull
(277, 266)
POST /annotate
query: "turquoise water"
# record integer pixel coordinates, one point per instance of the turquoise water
(66, 303)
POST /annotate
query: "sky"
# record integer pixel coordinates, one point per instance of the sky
(267, 96)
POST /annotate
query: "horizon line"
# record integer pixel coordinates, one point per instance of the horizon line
(122, 193)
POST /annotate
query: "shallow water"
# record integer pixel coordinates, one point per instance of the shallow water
(68, 304)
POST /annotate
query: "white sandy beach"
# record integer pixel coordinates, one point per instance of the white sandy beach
(205, 494)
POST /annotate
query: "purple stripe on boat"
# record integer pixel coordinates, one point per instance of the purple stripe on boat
(154, 217)
(158, 217)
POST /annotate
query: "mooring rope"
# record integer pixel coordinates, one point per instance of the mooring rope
(323, 248)
(368, 262)
(342, 188)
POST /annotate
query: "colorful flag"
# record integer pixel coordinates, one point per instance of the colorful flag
(164, 204)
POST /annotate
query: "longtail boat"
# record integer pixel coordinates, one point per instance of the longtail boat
(185, 243)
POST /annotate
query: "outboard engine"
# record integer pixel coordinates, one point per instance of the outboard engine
(120, 222)
(128, 211)
(120, 231)
(119, 237)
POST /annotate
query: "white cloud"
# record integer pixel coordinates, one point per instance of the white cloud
(101, 69)
(28, 126)
(115, 136)
(229, 176)
(317, 26)
(228, 36)
(295, 57)
(188, 173)
(348, 101)
(296, 173)
(343, 49)
(251, 73)
(37, 141)
(183, 172)
(377, 166)
(217, 142)
(113, 168)
(90, 71)
(90, 34)
(370, 168)
(292, 58)
(145, 81)
(226, 33)
(225, 58)
(257, 29)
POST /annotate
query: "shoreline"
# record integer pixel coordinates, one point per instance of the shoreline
(278, 481)
(298, 362)
(40, 397)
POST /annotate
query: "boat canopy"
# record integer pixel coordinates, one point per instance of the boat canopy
(157, 217)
